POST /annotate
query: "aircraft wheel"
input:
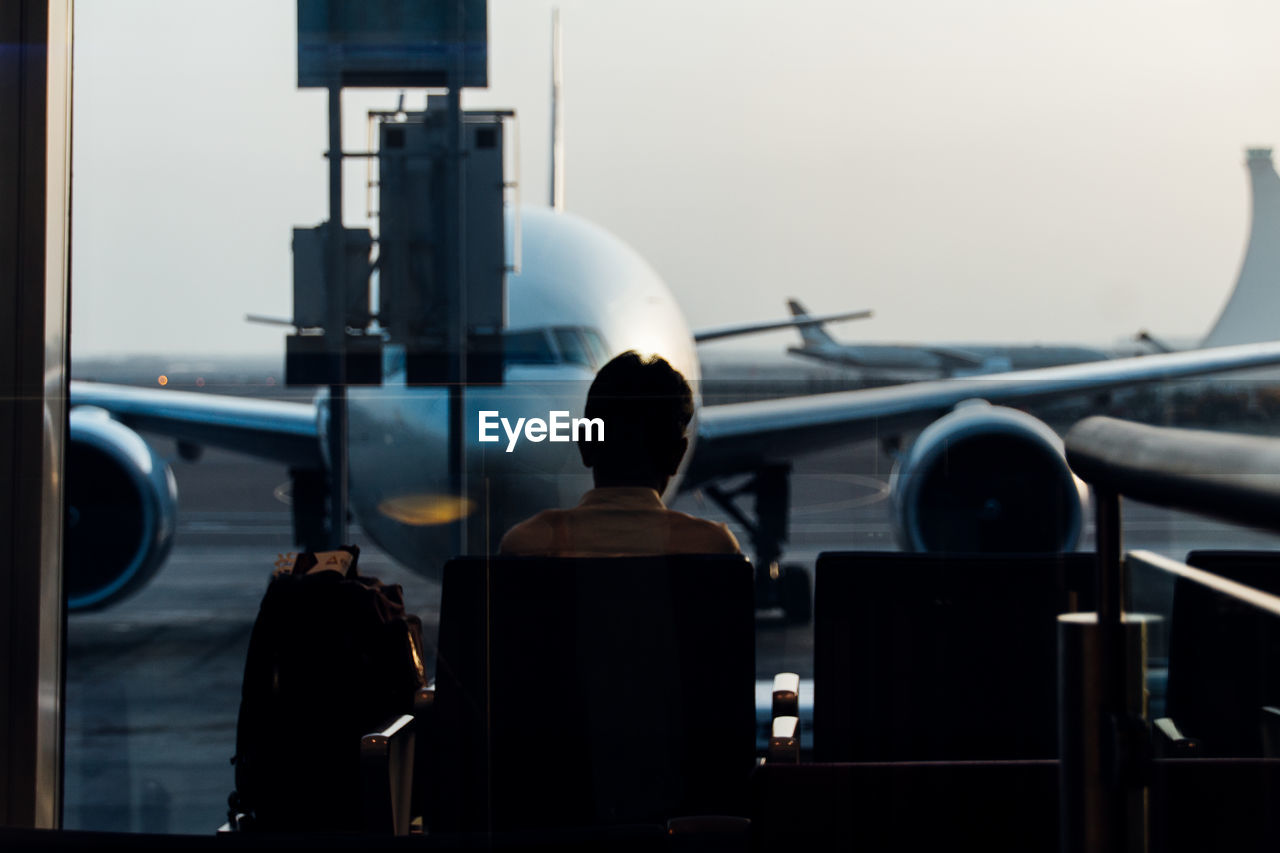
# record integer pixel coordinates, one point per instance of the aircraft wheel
(797, 597)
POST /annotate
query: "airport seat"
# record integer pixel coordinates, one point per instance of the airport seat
(589, 692)
(1224, 656)
(936, 657)
(1212, 786)
(1214, 805)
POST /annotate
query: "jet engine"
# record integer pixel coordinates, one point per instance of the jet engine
(121, 511)
(987, 478)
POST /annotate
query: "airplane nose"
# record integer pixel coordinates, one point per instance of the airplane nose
(409, 445)
(399, 474)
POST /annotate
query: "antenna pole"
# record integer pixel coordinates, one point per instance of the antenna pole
(557, 116)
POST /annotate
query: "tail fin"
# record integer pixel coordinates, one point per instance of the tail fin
(814, 335)
(1250, 313)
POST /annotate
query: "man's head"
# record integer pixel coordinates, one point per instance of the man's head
(646, 405)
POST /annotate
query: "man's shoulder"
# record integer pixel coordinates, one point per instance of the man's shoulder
(533, 536)
(704, 536)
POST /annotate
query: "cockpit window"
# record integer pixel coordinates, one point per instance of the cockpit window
(599, 349)
(573, 349)
(529, 347)
(561, 345)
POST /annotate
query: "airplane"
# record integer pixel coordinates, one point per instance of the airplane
(981, 476)
(1246, 317)
(933, 359)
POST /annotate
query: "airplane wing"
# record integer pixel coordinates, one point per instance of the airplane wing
(734, 438)
(269, 429)
(793, 322)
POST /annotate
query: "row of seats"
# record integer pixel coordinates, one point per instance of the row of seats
(1217, 789)
(590, 693)
(621, 692)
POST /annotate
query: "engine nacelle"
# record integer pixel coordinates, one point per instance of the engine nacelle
(987, 479)
(121, 511)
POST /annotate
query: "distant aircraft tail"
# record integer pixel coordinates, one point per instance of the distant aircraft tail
(814, 335)
(1252, 313)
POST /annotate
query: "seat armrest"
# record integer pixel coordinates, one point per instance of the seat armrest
(386, 770)
(786, 695)
(784, 741)
(1170, 742)
(423, 700)
(784, 732)
(424, 720)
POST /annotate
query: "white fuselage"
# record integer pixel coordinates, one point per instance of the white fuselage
(575, 279)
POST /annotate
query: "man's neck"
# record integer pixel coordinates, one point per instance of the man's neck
(604, 481)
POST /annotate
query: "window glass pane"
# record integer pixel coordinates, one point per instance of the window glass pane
(599, 349)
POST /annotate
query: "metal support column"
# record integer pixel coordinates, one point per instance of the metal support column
(35, 175)
(335, 330)
(456, 281)
(1110, 594)
(1101, 661)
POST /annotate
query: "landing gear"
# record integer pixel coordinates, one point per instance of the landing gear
(777, 586)
(310, 507)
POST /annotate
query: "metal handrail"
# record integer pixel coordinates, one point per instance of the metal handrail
(1231, 477)
(1240, 592)
(1228, 476)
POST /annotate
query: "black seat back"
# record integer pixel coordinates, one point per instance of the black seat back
(1224, 655)
(995, 807)
(921, 657)
(577, 692)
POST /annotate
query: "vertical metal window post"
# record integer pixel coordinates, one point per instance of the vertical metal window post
(456, 279)
(335, 332)
(35, 238)
(1099, 667)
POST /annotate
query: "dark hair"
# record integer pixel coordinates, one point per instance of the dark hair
(645, 404)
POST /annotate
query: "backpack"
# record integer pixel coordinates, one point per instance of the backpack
(332, 657)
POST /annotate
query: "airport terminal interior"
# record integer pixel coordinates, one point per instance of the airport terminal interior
(307, 303)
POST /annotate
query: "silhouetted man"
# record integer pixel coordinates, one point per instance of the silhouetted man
(646, 406)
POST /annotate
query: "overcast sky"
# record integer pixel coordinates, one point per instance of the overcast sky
(996, 170)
